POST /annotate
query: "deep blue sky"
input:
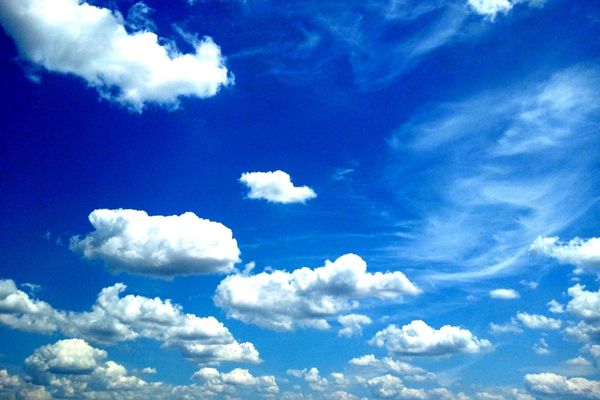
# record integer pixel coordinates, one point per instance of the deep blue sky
(445, 141)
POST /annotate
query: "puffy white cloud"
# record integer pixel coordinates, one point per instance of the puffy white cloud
(504, 294)
(555, 307)
(352, 324)
(559, 386)
(312, 377)
(390, 365)
(217, 382)
(68, 356)
(276, 187)
(490, 7)
(584, 304)
(74, 37)
(419, 339)
(579, 252)
(114, 319)
(162, 246)
(307, 297)
(19, 311)
(536, 321)
(391, 387)
(579, 362)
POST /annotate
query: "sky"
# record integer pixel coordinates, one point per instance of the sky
(300, 200)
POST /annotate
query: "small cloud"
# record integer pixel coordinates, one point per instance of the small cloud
(275, 187)
(149, 371)
(541, 347)
(555, 307)
(504, 294)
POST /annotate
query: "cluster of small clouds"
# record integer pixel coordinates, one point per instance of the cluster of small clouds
(559, 386)
(309, 297)
(72, 368)
(114, 319)
(275, 187)
(90, 42)
(161, 246)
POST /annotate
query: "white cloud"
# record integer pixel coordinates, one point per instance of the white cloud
(113, 319)
(391, 387)
(275, 187)
(559, 386)
(504, 294)
(490, 7)
(386, 364)
(584, 304)
(74, 37)
(541, 347)
(555, 307)
(216, 382)
(68, 356)
(419, 339)
(578, 252)
(579, 362)
(161, 246)
(352, 324)
(312, 377)
(149, 371)
(536, 321)
(307, 297)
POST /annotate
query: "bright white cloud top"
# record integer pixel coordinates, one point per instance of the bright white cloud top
(419, 339)
(536, 321)
(114, 319)
(308, 297)
(579, 252)
(557, 386)
(74, 37)
(504, 294)
(160, 246)
(275, 187)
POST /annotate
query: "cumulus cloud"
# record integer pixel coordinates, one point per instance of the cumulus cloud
(419, 339)
(68, 356)
(504, 294)
(536, 321)
(558, 386)
(216, 382)
(275, 187)
(161, 246)
(391, 387)
(352, 324)
(113, 319)
(308, 297)
(584, 304)
(312, 377)
(578, 252)
(386, 364)
(74, 37)
(491, 8)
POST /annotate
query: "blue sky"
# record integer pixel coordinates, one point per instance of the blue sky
(229, 199)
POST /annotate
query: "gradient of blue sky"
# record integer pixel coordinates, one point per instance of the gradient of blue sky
(443, 142)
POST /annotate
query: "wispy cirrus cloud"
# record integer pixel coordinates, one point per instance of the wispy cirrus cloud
(506, 174)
